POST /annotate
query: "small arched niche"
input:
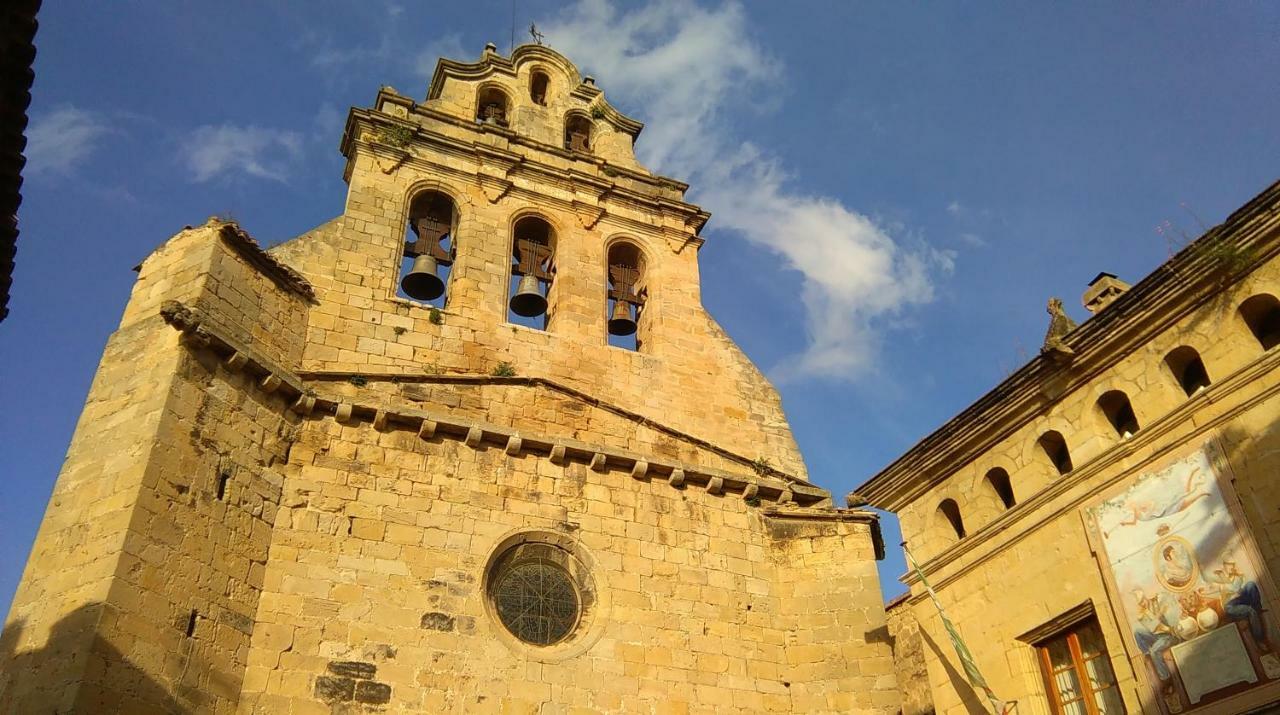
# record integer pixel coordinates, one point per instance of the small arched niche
(950, 511)
(1187, 369)
(1115, 406)
(1055, 448)
(429, 248)
(998, 480)
(626, 294)
(492, 106)
(1261, 313)
(539, 85)
(577, 132)
(532, 272)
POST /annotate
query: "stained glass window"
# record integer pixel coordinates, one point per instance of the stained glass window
(536, 600)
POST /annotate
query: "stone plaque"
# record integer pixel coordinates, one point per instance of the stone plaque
(1212, 661)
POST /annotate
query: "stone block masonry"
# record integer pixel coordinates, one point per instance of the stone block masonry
(294, 491)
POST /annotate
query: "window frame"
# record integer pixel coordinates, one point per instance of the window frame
(1071, 635)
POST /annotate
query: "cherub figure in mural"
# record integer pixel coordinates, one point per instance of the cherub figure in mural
(1241, 600)
(1156, 505)
(1154, 633)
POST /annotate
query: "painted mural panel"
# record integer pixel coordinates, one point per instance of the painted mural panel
(1184, 575)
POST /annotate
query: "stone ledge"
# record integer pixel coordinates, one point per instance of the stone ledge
(428, 424)
(523, 381)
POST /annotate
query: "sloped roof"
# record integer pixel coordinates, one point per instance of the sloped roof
(17, 53)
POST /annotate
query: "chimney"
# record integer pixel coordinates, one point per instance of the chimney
(1102, 290)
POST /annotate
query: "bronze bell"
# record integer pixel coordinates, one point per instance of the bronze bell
(528, 300)
(620, 323)
(421, 282)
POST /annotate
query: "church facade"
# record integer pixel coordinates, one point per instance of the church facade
(1103, 528)
(473, 445)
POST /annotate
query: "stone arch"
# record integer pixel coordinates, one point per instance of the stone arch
(627, 282)
(1187, 368)
(533, 244)
(431, 216)
(579, 131)
(493, 104)
(1261, 315)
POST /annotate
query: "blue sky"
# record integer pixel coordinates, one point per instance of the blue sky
(896, 189)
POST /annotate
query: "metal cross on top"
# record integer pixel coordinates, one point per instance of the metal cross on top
(533, 257)
(430, 231)
(623, 279)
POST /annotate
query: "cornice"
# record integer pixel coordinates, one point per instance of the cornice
(249, 249)
(498, 170)
(491, 63)
(1014, 520)
(201, 334)
(529, 381)
(1178, 287)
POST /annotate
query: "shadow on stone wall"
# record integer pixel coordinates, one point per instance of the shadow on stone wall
(40, 680)
(969, 697)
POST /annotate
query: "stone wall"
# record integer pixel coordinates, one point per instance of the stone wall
(1016, 569)
(142, 585)
(909, 663)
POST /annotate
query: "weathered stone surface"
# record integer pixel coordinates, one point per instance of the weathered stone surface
(372, 693)
(334, 690)
(355, 548)
(437, 621)
(353, 669)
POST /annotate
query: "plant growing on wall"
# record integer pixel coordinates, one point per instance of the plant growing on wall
(435, 316)
(504, 369)
(394, 136)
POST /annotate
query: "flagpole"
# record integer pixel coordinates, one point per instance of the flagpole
(998, 706)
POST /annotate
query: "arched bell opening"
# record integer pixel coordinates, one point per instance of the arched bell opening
(1055, 448)
(949, 511)
(1188, 369)
(429, 248)
(1115, 406)
(1261, 313)
(577, 133)
(625, 296)
(532, 273)
(492, 106)
(998, 480)
(539, 83)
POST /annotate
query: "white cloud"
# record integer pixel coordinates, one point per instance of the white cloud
(954, 208)
(212, 151)
(686, 67)
(449, 45)
(63, 138)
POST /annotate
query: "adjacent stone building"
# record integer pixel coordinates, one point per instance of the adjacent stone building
(550, 483)
(1103, 527)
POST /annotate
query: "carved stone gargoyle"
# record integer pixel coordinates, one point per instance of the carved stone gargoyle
(1060, 324)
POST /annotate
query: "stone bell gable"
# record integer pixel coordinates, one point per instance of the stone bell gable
(474, 445)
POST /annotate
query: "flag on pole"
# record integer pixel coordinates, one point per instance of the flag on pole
(998, 706)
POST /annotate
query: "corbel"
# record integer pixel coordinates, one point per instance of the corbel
(343, 411)
(677, 478)
(715, 485)
(598, 461)
(514, 443)
(270, 383)
(236, 361)
(640, 470)
(474, 437)
(557, 454)
(751, 491)
(380, 420)
(428, 429)
(304, 405)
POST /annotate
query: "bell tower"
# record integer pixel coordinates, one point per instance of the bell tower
(474, 444)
